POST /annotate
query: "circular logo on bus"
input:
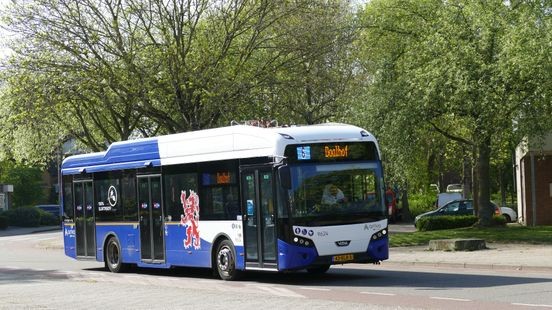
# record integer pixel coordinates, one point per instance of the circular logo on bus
(112, 196)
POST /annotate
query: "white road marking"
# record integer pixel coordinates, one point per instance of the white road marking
(46, 238)
(19, 238)
(451, 299)
(278, 291)
(315, 289)
(380, 294)
(532, 305)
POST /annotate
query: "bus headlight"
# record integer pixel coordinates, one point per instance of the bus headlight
(304, 242)
(379, 234)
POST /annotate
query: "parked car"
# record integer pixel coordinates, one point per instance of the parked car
(455, 207)
(52, 209)
(509, 214)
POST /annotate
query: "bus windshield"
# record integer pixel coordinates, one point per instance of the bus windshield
(333, 194)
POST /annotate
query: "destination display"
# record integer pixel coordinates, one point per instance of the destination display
(218, 178)
(321, 152)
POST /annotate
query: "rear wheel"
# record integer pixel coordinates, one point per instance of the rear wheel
(507, 217)
(318, 269)
(225, 261)
(113, 259)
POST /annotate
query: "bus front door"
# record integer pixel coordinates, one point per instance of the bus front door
(151, 219)
(84, 219)
(259, 219)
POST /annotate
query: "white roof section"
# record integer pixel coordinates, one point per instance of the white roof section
(243, 141)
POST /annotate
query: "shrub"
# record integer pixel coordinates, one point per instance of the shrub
(450, 222)
(421, 203)
(499, 220)
(48, 219)
(3, 221)
(445, 222)
(24, 217)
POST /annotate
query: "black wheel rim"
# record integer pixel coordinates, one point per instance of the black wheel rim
(113, 255)
(225, 260)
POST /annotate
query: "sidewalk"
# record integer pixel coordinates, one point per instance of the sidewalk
(498, 256)
(14, 231)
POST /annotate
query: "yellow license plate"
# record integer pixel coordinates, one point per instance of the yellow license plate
(343, 258)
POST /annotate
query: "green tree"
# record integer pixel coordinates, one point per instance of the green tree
(104, 71)
(476, 72)
(27, 183)
(315, 81)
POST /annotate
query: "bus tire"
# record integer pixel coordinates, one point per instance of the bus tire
(225, 261)
(318, 269)
(113, 259)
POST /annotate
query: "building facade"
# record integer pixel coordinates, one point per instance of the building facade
(534, 182)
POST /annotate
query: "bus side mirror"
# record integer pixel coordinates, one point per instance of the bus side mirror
(285, 176)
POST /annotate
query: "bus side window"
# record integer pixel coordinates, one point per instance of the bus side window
(175, 184)
(231, 202)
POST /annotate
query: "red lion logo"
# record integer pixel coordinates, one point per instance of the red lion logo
(190, 218)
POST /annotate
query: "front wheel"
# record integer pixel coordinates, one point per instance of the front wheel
(113, 259)
(225, 261)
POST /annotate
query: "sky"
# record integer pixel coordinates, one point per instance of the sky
(4, 35)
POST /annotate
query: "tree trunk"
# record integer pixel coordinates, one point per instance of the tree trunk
(485, 211)
(475, 182)
(466, 177)
(406, 216)
(502, 187)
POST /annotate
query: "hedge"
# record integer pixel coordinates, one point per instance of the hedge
(3, 221)
(48, 219)
(450, 222)
(421, 203)
(24, 216)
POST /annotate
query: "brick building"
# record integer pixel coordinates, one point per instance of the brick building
(534, 182)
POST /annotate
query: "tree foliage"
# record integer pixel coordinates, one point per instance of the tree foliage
(27, 183)
(475, 72)
(440, 83)
(104, 71)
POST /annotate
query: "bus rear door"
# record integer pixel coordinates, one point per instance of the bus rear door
(151, 219)
(84, 219)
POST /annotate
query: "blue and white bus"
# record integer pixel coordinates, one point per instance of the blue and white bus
(232, 199)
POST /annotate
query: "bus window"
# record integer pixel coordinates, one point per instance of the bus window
(128, 196)
(68, 211)
(174, 185)
(107, 190)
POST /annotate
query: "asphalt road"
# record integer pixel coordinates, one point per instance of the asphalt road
(34, 274)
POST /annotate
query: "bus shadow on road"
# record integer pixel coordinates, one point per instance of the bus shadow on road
(434, 280)
(26, 275)
(352, 277)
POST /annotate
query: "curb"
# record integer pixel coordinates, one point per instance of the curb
(14, 231)
(472, 266)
